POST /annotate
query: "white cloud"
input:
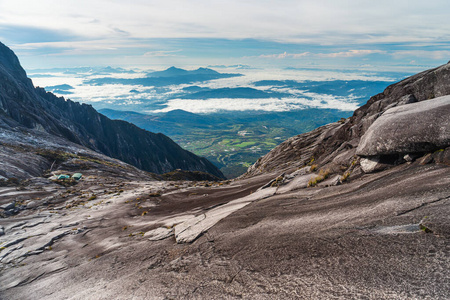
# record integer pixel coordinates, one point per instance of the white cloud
(161, 53)
(440, 54)
(101, 93)
(349, 53)
(151, 32)
(320, 22)
(79, 46)
(285, 55)
(56, 79)
(271, 104)
(117, 93)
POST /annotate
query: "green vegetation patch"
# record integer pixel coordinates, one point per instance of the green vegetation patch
(323, 174)
(245, 144)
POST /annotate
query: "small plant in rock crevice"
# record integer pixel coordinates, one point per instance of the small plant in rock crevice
(425, 228)
(355, 160)
(345, 176)
(323, 174)
(311, 161)
(277, 182)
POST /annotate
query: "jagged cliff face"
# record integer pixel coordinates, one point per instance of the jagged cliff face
(22, 105)
(334, 146)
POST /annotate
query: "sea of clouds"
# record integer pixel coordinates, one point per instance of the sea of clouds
(153, 100)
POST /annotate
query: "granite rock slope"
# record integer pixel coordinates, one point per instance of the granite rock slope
(385, 236)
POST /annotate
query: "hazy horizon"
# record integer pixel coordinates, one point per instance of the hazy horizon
(405, 36)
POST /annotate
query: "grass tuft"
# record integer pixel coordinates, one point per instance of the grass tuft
(345, 176)
(277, 182)
(323, 174)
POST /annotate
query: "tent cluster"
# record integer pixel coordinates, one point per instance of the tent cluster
(64, 177)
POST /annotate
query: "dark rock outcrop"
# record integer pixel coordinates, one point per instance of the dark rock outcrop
(334, 145)
(22, 105)
(30, 154)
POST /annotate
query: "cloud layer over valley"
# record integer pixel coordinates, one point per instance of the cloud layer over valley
(255, 90)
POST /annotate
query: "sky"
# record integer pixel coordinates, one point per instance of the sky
(378, 35)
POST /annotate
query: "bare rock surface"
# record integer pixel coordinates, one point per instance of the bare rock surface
(413, 128)
(190, 229)
(363, 238)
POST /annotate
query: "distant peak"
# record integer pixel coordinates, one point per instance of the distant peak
(174, 71)
(204, 71)
(10, 63)
(179, 112)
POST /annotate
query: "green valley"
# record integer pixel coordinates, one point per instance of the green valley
(232, 141)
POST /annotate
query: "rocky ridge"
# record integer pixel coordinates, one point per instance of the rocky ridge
(335, 145)
(28, 108)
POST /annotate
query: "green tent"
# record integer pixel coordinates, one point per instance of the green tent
(63, 177)
(77, 176)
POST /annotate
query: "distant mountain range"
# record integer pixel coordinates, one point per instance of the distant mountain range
(236, 93)
(29, 108)
(167, 77)
(173, 71)
(84, 70)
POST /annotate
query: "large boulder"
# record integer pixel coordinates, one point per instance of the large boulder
(412, 128)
